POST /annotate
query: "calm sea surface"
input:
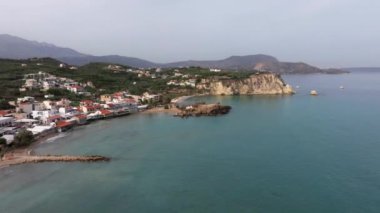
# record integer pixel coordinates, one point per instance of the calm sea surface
(270, 154)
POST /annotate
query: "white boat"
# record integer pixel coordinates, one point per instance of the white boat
(314, 92)
(341, 87)
(142, 106)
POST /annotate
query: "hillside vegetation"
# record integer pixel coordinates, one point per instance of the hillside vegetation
(104, 80)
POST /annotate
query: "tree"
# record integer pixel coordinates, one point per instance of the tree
(3, 141)
(5, 105)
(24, 138)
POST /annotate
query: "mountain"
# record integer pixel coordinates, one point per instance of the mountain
(362, 69)
(232, 63)
(114, 59)
(257, 62)
(13, 47)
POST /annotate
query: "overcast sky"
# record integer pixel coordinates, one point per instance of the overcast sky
(327, 33)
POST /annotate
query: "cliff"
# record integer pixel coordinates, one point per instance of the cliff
(261, 83)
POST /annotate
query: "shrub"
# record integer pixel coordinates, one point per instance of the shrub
(24, 138)
(5, 105)
(3, 141)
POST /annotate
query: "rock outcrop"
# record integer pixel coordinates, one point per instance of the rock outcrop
(257, 84)
(204, 110)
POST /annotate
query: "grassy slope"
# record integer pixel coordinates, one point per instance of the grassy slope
(12, 74)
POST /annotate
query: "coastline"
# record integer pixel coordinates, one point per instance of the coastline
(172, 110)
(24, 155)
(154, 110)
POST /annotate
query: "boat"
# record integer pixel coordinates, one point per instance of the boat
(341, 87)
(142, 107)
(313, 92)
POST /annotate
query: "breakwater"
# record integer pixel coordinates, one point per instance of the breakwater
(16, 159)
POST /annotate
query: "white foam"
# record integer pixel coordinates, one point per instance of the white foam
(52, 139)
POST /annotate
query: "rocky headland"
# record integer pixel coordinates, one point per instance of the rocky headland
(256, 84)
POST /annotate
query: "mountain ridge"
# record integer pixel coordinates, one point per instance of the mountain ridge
(13, 47)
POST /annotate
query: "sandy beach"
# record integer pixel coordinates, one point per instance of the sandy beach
(172, 111)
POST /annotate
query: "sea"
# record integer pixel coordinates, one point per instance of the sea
(296, 153)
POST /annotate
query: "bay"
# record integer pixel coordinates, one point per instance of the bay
(269, 154)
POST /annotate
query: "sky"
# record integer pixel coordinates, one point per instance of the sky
(325, 33)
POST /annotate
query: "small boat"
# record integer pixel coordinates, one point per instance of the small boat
(314, 92)
(341, 87)
(297, 86)
(141, 107)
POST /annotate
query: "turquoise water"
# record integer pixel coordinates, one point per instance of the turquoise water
(270, 154)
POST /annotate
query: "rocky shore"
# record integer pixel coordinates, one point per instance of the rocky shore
(203, 110)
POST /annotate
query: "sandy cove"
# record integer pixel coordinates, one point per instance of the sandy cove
(172, 111)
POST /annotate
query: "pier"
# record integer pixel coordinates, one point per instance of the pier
(22, 158)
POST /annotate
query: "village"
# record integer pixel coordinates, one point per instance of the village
(47, 116)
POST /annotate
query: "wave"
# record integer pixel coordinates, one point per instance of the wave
(52, 139)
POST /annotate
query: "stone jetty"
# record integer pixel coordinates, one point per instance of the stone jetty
(11, 159)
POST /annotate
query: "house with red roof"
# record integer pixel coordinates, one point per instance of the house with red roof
(90, 109)
(81, 119)
(106, 113)
(53, 118)
(86, 103)
(64, 125)
(4, 113)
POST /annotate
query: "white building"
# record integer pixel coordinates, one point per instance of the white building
(28, 107)
(25, 99)
(215, 70)
(31, 83)
(73, 68)
(9, 138)
(75, 89)
(6, 121)
(191, 82)
(151, 97)
(41, 114)
(49, 104)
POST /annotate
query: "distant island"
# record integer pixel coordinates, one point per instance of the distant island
(362, 69)
(12, 47)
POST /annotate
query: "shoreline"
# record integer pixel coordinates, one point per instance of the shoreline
(23, 155)
(155, 110)
(172, 110)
